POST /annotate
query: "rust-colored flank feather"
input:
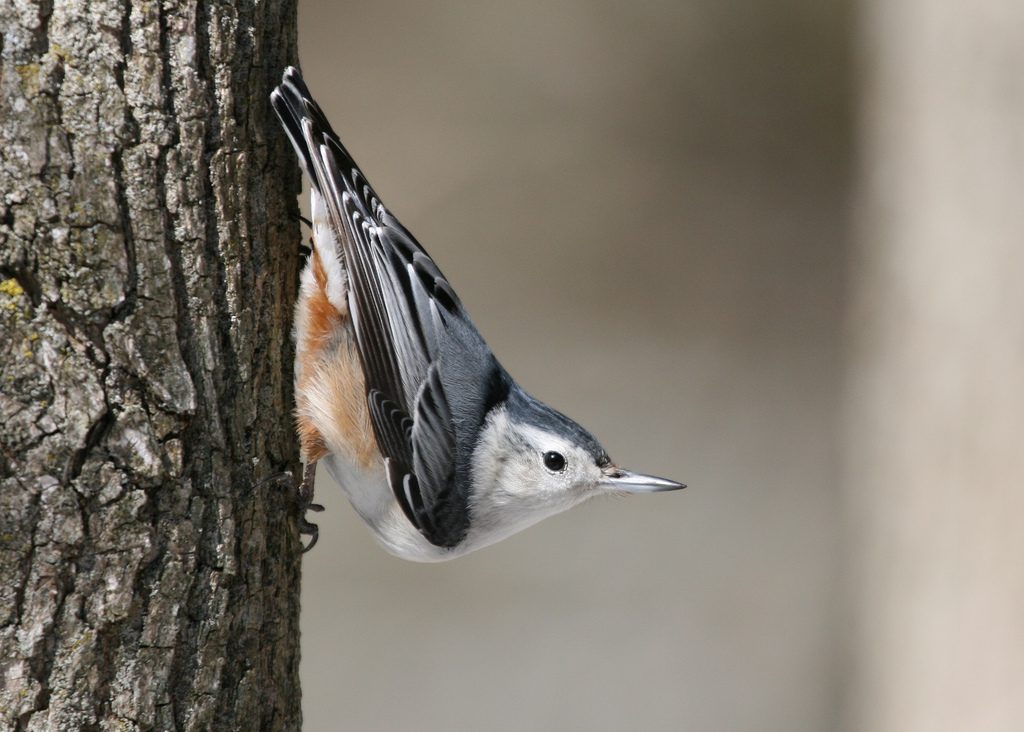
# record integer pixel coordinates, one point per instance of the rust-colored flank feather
(331, 411)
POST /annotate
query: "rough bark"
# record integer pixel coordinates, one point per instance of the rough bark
(935, 469)
(148, 254)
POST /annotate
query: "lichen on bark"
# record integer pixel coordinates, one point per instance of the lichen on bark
(148, 254)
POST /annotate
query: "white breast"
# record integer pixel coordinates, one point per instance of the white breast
(370, 495)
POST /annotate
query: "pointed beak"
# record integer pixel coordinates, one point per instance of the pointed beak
(618, 479)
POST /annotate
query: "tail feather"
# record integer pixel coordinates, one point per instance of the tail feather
(292, 102)
(295, 107)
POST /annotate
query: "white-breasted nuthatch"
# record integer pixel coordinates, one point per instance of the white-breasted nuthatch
(440, 451)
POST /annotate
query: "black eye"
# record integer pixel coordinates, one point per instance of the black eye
(554, 461)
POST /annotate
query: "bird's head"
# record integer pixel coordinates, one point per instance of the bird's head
(532, 462)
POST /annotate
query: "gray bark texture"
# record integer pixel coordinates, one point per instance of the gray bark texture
(148, 262)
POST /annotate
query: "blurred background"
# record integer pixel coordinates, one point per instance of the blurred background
(767, 249)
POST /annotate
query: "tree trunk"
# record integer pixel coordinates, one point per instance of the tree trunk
(935, 469)
(148, 254)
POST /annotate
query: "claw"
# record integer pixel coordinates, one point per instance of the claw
(305, 491)
(306, 527)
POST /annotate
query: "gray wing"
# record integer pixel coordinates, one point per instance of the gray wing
(416, 343)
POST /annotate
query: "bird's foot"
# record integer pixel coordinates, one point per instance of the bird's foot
(306, 527)
(305, 493)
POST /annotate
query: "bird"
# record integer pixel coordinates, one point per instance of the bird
(438, 449)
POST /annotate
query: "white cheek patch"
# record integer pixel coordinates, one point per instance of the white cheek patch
(512, 471)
